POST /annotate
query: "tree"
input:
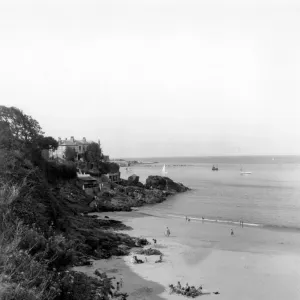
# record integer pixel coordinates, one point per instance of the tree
(93, 153)
(47, 143)
(18, 130)
(70, 154)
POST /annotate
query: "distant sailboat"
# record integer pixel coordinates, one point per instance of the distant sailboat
(164, 171)
(244, 172)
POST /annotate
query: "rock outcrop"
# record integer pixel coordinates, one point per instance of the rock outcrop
(165, 183)
(133, 179)
(131, 193)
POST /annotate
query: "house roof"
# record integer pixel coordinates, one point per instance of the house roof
(89, 178)
(75, 143)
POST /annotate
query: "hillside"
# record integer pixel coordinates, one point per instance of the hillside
(44, 224)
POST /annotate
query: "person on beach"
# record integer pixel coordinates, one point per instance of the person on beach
(232, 233)
(118, 287)
(168, 232)
(159, 260)
(121, 282)
(154, 241)
(241, 223)
(135, 260)
(179, 285)
(187, 287)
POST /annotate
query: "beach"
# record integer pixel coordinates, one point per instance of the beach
(255, 263)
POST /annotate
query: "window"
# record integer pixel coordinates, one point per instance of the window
(79, 148)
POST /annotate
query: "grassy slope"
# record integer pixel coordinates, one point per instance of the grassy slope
(43, 233)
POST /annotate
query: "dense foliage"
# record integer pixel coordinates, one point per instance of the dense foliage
(18, 130)
(70, 154)
(41, 233)
(93, 154)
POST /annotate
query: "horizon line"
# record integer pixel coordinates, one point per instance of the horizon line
(205, 155)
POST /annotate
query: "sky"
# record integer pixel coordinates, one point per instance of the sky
(157, 78)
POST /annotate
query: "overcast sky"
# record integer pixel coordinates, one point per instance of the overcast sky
(157, 78)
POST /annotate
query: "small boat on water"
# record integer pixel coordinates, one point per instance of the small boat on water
(215, 168)
(164, 171)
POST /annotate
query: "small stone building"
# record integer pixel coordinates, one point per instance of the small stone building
(114, 177)
(89, 184)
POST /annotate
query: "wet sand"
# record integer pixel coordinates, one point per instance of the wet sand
(255, 263)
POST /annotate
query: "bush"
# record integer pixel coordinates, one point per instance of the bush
(55, 170)
(32, 241)
(16, 292)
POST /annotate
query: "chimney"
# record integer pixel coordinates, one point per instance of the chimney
(84, 139)
(72, 139)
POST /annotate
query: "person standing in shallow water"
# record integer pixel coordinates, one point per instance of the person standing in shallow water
(241, 223)
(168, 231)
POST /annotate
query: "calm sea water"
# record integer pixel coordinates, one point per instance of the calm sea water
(270, 196)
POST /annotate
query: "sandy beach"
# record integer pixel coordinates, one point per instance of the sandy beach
(255, 263)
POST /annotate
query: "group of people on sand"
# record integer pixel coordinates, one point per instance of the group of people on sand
(135, 260)
(189, 291)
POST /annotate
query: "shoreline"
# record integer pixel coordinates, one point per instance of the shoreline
(206, 254)
(144, 210)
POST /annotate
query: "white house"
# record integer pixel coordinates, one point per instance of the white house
(78, 145)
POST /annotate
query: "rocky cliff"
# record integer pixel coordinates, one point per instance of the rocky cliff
(132, 193)
(165, 184)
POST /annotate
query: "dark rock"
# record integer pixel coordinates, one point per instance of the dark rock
(139, 184)
(143, 242)
(100, 274)
(164, 183)
(133, 179)
(149, 251)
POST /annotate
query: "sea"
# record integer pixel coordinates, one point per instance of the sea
(268, 197)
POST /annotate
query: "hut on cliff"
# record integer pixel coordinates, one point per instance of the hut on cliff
(114, 177)
(88, 183)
